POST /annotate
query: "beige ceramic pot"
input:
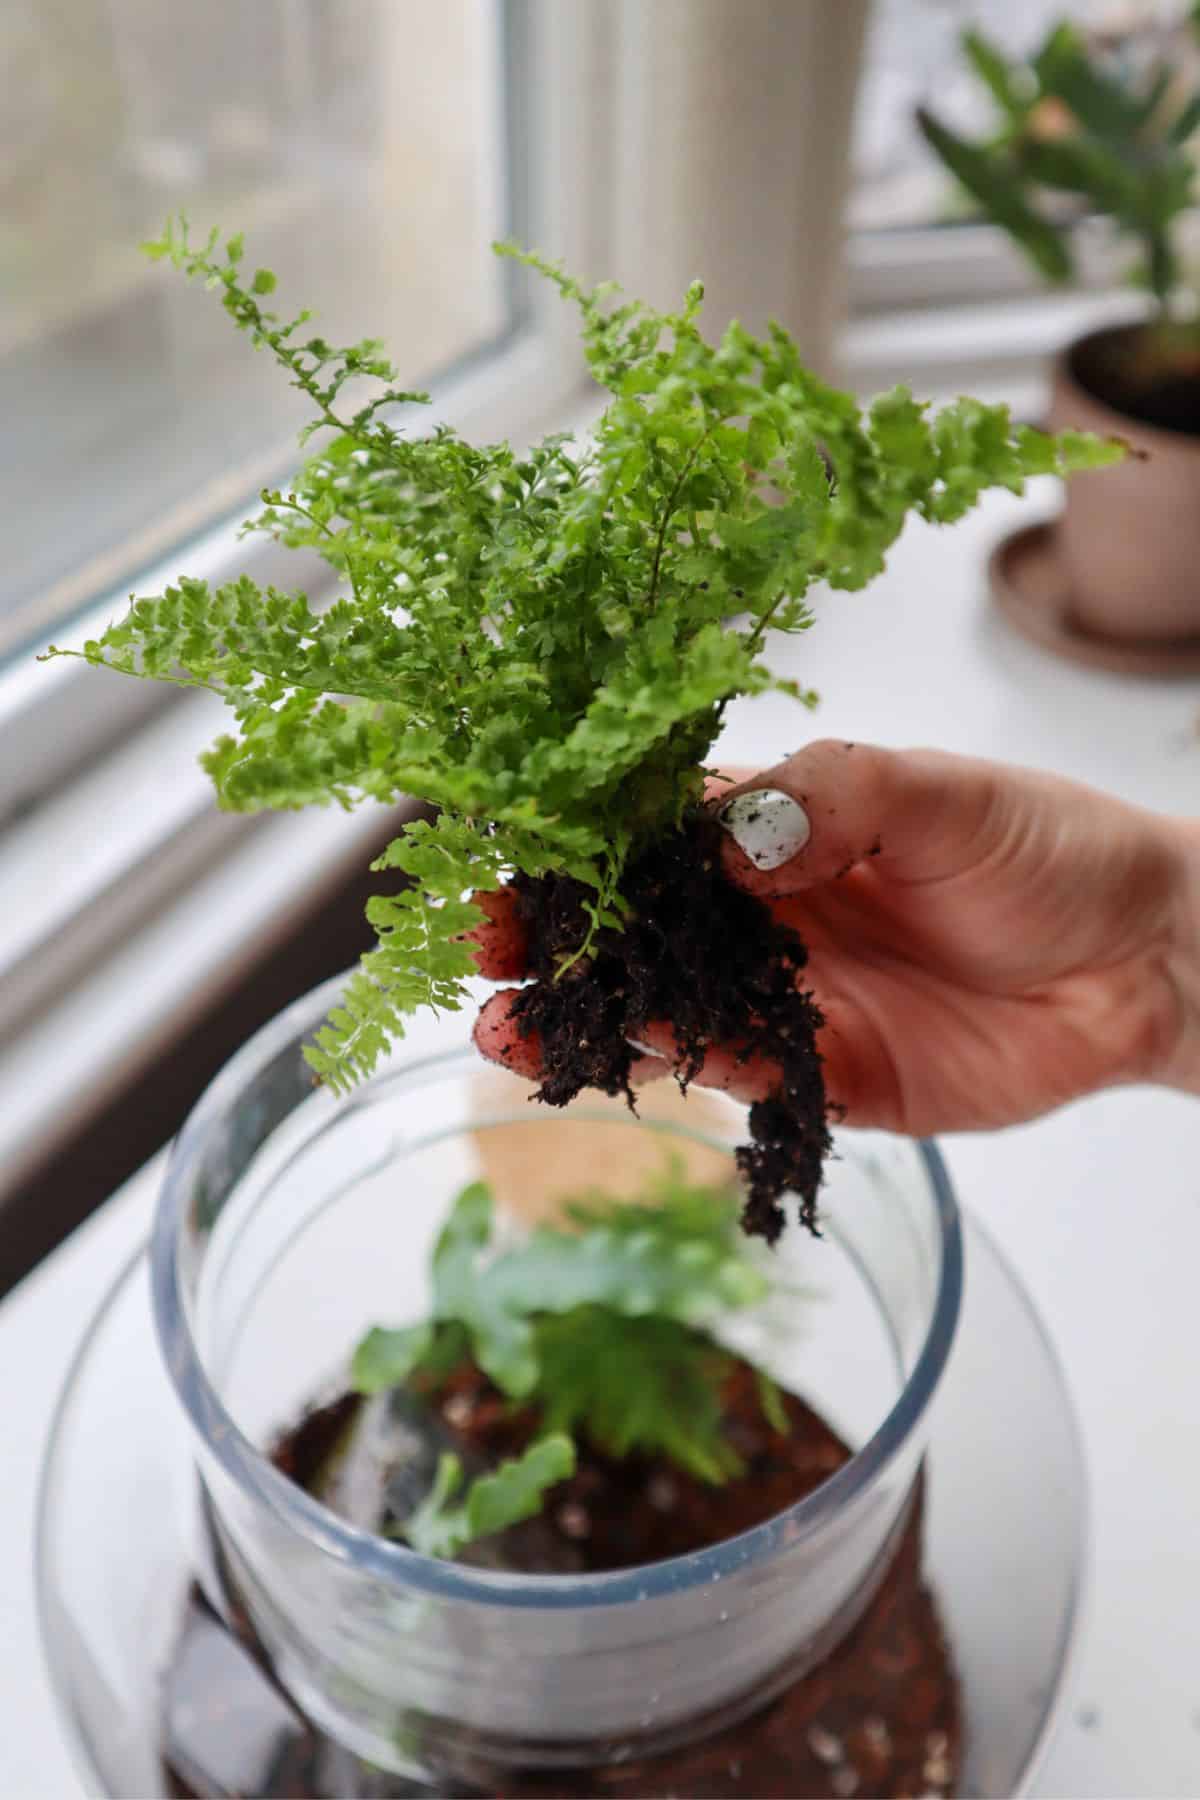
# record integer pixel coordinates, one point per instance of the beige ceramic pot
(1129, 537)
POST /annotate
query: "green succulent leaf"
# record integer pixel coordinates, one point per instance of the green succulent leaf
(1009, 84)
(991, 178)
(1186, 122)
(1103, 104)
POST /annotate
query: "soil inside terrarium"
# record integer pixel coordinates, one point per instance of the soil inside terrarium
(1151, 377)
(717, 963)
(879, 1716)
(372, 1461)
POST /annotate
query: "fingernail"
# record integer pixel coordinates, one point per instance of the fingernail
(769, 827)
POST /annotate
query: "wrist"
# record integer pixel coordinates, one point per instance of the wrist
(1182, 1069)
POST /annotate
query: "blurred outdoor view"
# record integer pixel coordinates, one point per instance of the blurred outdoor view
(360, 146)
(913, 57)
(357, 144)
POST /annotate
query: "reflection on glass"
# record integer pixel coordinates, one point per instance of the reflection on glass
(913, 56)
(358, 145)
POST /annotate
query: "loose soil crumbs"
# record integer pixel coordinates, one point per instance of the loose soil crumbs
(720, 967)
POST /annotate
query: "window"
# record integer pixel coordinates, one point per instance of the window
(356, 142)
(913, 243)
(370, 150)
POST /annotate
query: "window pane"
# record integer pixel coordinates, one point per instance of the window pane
(358, 145)
(913, 57)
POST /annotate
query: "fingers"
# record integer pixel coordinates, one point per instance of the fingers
(499, 1038)
(860, 1077)
(829, 808)
(502, 945)
(745, 1077)
(836, 805)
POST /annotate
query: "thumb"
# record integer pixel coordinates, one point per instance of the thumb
(917, 814)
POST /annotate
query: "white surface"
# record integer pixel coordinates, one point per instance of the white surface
(118, 1016)
(41, 1323)
(1098, 1207)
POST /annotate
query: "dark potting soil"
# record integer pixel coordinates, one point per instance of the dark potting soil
(879, 1716)
(613, 1513)
(717, 964)
(879, 1719)
(1127, 372)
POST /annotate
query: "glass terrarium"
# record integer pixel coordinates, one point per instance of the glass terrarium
(290, 1222)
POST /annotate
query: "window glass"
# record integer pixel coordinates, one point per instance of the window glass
(357, 143)
(913, 57)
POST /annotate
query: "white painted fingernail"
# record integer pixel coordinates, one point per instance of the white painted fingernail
(769, 827)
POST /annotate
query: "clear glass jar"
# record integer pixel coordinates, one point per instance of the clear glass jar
(291, 1221)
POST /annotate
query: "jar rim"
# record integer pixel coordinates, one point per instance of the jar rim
(395, 1563)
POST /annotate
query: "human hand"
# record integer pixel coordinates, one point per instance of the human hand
(986, 942)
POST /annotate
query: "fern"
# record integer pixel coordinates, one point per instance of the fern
(602, 1326)
(492, 1502)
(644, 1384)
(540, 644)
(678, 1257)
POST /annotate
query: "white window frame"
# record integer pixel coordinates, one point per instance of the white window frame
(56, 717)
(111, 849)
(948, 305)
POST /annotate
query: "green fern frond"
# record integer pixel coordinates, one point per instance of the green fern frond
(601, 1324)
(541, 643)
(421, 959)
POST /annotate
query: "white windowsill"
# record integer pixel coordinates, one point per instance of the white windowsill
(140, 999)
(994, 348)
(128, 903)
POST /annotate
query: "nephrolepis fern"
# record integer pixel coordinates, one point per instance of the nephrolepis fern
(542, 643)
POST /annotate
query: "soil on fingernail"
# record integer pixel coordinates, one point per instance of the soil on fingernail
(716, 963)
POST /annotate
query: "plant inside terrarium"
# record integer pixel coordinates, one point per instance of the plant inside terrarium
(579, 1375)
(543, 644)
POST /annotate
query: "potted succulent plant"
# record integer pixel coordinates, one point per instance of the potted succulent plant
(498, 1548)
(1082, 133)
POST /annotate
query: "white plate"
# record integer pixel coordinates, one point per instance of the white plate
(1005, 1548)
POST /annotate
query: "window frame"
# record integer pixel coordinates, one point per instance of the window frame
(582, 90)
(66, 1041)
(55, 716)
(947, 308)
